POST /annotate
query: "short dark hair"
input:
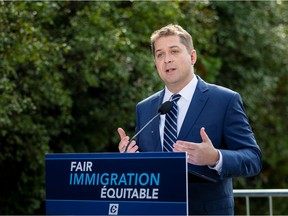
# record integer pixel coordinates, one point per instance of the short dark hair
(170, 30)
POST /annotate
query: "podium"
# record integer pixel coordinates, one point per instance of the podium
(117, 184)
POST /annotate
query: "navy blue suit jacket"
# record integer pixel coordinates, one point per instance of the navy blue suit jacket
(221, 112)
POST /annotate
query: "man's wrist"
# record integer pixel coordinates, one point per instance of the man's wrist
(218, 165)
(217, 159)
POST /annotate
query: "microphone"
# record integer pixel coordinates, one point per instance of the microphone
(163, 109)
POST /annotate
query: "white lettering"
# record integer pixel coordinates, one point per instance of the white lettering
(84, 166)
(129, 193)
(155, 193)
(103, 192)
(73, 165)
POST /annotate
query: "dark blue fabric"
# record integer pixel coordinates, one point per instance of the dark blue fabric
(221, 112)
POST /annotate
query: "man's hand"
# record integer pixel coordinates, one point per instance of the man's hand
(200, 154)
(124, 141)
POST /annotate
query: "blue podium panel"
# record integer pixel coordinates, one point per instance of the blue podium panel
(117, 184)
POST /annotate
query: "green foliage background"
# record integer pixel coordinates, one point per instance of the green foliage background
(72, 72)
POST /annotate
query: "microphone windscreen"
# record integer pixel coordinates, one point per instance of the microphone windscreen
(165, 107)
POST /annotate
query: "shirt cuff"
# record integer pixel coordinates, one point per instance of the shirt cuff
(218, 165)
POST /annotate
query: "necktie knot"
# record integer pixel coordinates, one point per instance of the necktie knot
(175, 97)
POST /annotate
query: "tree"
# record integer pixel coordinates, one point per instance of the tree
(71, 73)
(252, 47)
(34, 105)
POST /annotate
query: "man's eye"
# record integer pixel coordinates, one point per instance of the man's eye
(160, 55)
(174, 51)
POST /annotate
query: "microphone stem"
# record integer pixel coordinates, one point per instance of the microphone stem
(140, 132)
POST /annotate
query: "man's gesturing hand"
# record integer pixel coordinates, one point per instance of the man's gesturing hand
(200, 154)
(124, 141)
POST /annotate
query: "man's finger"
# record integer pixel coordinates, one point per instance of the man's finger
(121, 133)
(204, 135)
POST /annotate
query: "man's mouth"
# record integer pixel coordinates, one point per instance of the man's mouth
(170, 70)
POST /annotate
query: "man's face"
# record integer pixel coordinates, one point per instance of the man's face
(174, 63)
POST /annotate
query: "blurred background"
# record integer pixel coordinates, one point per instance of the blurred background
(72, 72)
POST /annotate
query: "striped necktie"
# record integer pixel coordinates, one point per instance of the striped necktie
(170, 128)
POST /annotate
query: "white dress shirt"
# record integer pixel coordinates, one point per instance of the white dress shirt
(183, 104)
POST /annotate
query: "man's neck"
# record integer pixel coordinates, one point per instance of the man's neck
(178, 87)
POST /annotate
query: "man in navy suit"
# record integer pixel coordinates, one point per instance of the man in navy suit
(212, 126)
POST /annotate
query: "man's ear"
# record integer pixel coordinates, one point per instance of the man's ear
(193, 56)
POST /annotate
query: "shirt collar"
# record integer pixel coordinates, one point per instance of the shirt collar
(186, 93)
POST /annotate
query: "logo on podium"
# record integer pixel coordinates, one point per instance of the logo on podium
(113, 209)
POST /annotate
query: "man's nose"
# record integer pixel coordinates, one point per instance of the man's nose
(168, 58)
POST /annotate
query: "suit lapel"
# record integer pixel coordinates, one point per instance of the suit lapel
(196, 106)
(155, 104)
